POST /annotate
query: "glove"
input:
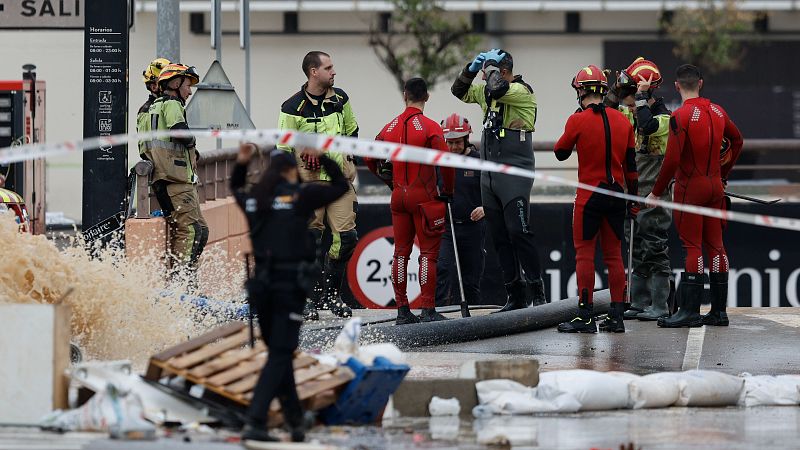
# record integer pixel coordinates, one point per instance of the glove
(477, 63)
(495, 55)
(633, 209)
(446, 198)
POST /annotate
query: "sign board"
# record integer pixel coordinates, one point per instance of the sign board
(104, 228)
(42, 14)
(369, 272)
(215, 105)
(105, 108)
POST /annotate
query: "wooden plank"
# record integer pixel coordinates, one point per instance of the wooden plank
(303, 360)
(226, 360)
(203, 339)
(338, 379)
(211, 350)
(309, 373)
(246, 384)
(239, 371)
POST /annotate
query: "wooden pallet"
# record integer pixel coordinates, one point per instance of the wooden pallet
(222, 362)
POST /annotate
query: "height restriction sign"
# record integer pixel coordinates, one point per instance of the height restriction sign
(369, 271)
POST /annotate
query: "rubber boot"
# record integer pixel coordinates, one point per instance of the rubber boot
(536, 295)
(332, 299)
(615, 322)
(310, 310)
(431, 315)
(584, 322)
(257, 433)
(640, 296)
(690, 295)
(299, 424)
(516, 297)
(719, 300)
(405, 316)
(659, 287)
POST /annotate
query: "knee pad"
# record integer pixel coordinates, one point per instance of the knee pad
(342, 247)
(516, 213)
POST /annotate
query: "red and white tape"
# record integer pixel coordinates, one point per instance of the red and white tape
(373, 149)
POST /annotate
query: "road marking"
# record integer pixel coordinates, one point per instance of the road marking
(694, 348)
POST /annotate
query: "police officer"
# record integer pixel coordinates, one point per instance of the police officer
(469, 224)
(174, 162)
(509, 111)
(318, 107)
(150, 79)
(278, 209)
(650, 281)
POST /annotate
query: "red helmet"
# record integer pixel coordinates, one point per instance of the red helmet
(641, 69)
(590, 79)
(456, 126)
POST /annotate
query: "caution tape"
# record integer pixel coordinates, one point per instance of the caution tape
(377, 150)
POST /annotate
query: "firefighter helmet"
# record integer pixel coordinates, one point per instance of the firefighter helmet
(456, 126)
(178, 70)
(640, 69)
(590, 79)
(150, 75)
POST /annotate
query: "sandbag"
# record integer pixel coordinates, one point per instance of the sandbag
(708, 388)
(768, 390)
(595, 391)
(510, 397)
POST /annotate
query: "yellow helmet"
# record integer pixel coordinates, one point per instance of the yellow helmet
(150, 75)
(178, 70)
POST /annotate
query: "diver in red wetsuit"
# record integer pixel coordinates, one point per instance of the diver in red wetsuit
(418, 209)
(697, 130)
(605, 142)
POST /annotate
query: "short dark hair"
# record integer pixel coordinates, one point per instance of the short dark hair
(689, 76)
(313, 60)
(416, 89)
(507, 63)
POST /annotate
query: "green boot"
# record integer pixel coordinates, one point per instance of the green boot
(640, 296)
(659, 291)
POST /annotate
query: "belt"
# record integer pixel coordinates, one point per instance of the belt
(163, 144)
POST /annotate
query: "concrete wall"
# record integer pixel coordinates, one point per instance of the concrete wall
(547, 61)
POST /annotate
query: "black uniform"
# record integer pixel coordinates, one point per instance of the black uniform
(470, 237)
(284, 250)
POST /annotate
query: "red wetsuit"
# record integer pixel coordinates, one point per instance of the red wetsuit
(606, 156)
(412, 185)
(693, 159)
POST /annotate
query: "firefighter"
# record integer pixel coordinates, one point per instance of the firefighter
(278, 209)
(697, 132)
(509, 111)
(174, 163)
(418, 207)
(650, 281)
(319, 107)
(150, 79)
(605, 143)
(468, 222)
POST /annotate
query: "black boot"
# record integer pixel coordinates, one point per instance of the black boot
(640, 296)
(516, 297)
(257, 433)
(615, 322)
(405, 316)
(536, 295)
(431, 315)
(310, 311)
(690, 295)
(584, 322)
(298, 424)
(331, 298)
(719, 300)
(659, 286)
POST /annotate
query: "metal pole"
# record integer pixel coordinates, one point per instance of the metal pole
(630, 263)
(216, 38)
(244, 43)
(168, 30)
(464, 305)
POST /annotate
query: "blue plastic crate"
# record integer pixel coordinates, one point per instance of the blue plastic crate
(365, 397)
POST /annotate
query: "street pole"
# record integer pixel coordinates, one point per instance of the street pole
(244, 43)
(168, 30)
(216, 38)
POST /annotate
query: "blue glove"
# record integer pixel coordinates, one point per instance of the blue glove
(477, 63)
(494, 54)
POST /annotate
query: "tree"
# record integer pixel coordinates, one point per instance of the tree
(707, 36)
(420, 41)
